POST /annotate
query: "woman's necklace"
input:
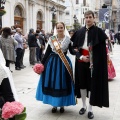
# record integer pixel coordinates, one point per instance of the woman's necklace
(60, 40)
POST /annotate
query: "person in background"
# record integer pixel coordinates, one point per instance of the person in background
(71, 32)
(117, 36)
(112, 37)
(13, 33)
(22, 66)
(111, 69)
(7, 45)
(19, 48)
(38, 48)
(107, 32)
(42, 42)
(32, 43)
(44, 36)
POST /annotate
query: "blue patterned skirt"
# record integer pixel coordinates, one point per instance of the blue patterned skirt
(55, 86)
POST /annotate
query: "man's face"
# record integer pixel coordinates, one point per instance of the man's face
(20, 31)
(89, 20)
(37, 36)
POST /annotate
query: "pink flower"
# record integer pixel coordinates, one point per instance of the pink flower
(10, 109)
(38, 68)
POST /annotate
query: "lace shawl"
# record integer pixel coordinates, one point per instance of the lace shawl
(64, 44)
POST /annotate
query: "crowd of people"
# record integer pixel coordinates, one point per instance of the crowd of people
(58, 86)
(13, 44)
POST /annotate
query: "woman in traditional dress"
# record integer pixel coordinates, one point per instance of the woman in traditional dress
(111, 69)
(7, 88)
(55, 86)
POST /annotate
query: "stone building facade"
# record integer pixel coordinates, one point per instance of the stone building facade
(114, 9)
(35, 14)
(77, 8)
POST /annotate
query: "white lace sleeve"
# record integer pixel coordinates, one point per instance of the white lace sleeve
(5, 73)
(2, 60)
(51, 45)
(2, 73)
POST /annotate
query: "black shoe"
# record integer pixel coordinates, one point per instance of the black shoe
(32, 63)
(23, 66)
(17, 68)
(90, 115)
(82, 111)
(54, 109)
(62, 110)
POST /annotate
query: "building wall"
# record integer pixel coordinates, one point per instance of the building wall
(78, 10)
(30, 8)
(115, 10)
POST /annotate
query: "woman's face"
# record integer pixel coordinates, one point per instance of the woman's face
(60, 28)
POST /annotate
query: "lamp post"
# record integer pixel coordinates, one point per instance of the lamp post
(53, 11)
(2, 12)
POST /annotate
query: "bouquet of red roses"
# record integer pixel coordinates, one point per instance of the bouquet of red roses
(13, 110)
(38, 68)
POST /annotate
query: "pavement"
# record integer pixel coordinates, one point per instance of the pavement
(26, 82)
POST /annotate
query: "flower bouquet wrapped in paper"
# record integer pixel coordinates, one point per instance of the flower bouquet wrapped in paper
(38, 68)
(13, 111)
(91, 57)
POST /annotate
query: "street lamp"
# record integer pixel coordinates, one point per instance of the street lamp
(53, 11)
(2, 3)
(2, 12)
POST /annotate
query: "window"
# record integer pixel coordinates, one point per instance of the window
(77, 1)
(18, 11)
(77, 11)
(84, 2)
(39, 16)
(67, 21)
(67, 13)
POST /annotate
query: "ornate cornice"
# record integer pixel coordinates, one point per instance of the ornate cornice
(56, 4)
(32, 2)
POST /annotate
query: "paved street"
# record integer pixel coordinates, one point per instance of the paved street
(26, 82)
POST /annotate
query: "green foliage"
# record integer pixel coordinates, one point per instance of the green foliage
(2, 12)
(53, 20)
(76, 26)
(21, 116)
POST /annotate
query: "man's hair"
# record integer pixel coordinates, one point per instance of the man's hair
(17, 29)
(88, 13)
(6, 31)
(36, 34)
(37, 31)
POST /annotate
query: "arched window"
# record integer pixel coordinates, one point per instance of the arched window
(39, 20)
(18, 11)
(39, 16)
(18, 17)
(84, 2)
(77, 1)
